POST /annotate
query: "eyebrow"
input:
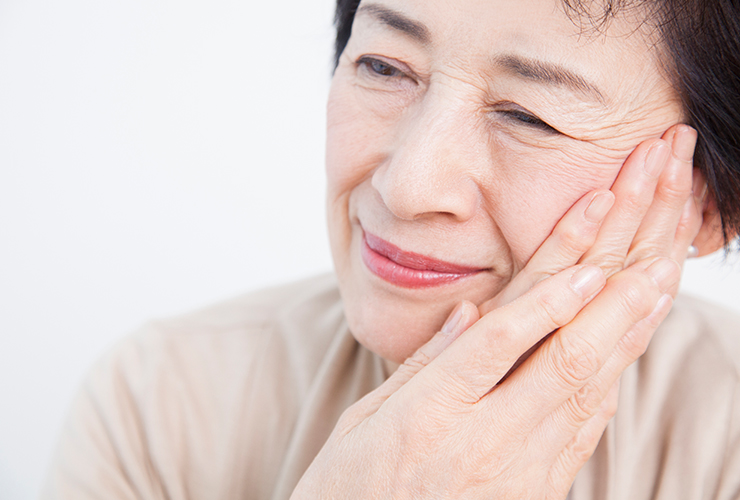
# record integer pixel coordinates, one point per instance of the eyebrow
(548, 73)
(526, 68)
(397, 21)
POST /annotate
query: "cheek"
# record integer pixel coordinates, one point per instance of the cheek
(535, 190)
(353, 151)
(354, 140)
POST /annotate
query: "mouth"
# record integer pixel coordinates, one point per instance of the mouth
(409, 269)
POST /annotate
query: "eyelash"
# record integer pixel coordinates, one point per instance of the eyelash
(527, 120)
(382, 69)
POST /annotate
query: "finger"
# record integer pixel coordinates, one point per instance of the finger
(691, 219)
(583, 445)
(459, 320)
(558, 428)
(570, 239)
(576, 352)
(657, 231)
(687, 229)
(470, 367)
(634, 189)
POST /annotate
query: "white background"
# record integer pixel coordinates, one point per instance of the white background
(155, 156)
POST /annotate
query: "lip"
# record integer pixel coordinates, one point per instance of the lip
(409, 269)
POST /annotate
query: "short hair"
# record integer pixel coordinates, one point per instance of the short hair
(701, 41)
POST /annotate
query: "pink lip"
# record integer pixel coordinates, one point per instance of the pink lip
(408, 269)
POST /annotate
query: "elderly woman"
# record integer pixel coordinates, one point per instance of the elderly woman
(522, 177)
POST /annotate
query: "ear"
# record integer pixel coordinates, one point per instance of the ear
(710, 238)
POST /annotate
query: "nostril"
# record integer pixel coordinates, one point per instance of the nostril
(413, 194)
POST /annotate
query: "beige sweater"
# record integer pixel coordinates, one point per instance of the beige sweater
(233, 402)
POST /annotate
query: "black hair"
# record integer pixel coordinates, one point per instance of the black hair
(701, 40)
(343, 18)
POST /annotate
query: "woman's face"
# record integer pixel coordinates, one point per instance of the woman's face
(459, 133)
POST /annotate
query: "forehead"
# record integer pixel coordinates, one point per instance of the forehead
(475, 32)
(588, 20)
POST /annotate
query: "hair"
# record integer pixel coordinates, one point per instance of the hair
(701, 40)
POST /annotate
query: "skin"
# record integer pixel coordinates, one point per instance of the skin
(433, 160)
(581, 226)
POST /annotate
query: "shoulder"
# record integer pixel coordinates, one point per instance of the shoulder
(698, 341)
(174, 406)
(292, 312)
(254, 312)
(268, 341)
(305, 313)
(696, 350)
(705, 330)
(677, 430)
(257, 308)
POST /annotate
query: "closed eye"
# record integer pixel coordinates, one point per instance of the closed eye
(523, 117)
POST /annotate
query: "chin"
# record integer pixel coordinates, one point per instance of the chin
(393, 309)
(394, 329)
(393, 321)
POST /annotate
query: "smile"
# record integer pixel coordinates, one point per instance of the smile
(408, 269)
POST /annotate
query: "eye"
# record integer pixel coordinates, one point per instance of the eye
(379, 68)
(515, 113)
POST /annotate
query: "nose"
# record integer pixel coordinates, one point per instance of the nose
(430, 169)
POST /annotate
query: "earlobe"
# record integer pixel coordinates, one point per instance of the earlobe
(710, 237)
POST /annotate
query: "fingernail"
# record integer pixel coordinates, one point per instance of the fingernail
(665, 272)
(656, 158)
(453, 320)
(599, 207)
(684, 143)
(587, 280)
(666, 301)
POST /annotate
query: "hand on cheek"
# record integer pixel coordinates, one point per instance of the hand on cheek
(655, 214)
(654, 209)
(603, 282)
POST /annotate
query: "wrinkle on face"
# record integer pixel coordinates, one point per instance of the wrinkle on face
(397, 153)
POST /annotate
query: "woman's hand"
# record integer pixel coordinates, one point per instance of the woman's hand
(438, 428)
(660, 199)
(435, 429)
(654, 209)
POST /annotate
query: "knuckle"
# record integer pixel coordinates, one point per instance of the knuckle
(576, 359)
(633, 198)
(673, 194)
(609, 407)
(349, 419)
(610, 263)
(581, 450)
(642, 252)
(573, 238)
(585, 402)
(635, 346)
(416, 362)
(584, 444)
(689, 222)
(634, 296)
(636, 341)
(452, 389)
(684, 225)
(554, 309)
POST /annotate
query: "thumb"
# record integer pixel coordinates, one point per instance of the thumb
(460, 319)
